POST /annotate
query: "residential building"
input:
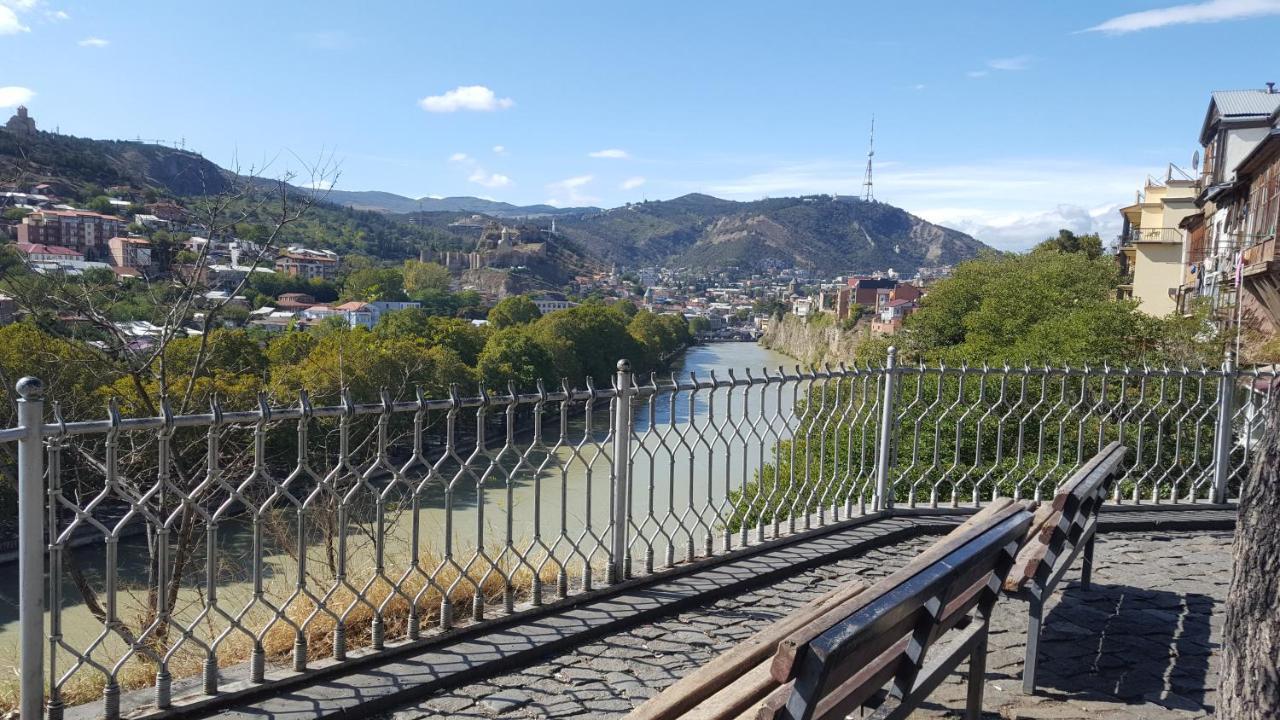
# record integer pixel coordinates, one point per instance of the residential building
(130, 252)
(39, 253)
(552, 302)
(1151, 244)
(1235, 123)
(85, 231)
(889, 320)
(297, 261)
(866, 290)
(294, 301)
(1256, 218)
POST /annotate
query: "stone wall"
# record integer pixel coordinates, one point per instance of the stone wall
(814, 340)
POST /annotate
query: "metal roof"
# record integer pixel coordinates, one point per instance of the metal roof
(1234, 103)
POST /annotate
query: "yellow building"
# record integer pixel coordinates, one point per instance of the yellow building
(1152, 244)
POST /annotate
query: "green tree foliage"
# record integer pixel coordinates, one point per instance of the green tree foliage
(1065, 241)
(659, 335)
(588, 340)
(456, 334)
(420, 277)
(514, 354)
(374, 284)
(274, 285)
(512, 311)
(1042, 307)
(365, 362)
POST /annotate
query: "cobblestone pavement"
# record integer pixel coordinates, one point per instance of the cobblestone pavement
(1140, 644)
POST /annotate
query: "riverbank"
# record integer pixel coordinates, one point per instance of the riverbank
(813, 340)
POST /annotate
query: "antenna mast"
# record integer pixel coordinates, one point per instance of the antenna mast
(867, 194)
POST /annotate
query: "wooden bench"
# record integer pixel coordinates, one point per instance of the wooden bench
(1060, 531)
(840, 651)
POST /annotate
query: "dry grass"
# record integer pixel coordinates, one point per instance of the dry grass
(87, 684)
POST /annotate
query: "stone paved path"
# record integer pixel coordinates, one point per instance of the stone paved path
(1140, 644)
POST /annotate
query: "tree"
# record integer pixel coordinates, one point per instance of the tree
(515, 310)
(364, 363)
(588, 340)
(456, 334)
(420, 277)
(1042, 307)
(374, 284)
(513, 354)
(1249, 687)
(1068, 242)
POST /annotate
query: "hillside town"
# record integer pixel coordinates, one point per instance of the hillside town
(53, 235)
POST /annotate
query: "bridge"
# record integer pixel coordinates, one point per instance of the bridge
(319, 560)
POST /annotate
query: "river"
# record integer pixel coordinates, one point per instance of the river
(556, 503)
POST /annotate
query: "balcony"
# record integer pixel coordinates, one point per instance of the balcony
(1260, 253)
(1152, 235)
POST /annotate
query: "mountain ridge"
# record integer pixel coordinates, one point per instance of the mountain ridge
(820, 232)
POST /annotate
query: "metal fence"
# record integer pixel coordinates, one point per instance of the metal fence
(171, 546)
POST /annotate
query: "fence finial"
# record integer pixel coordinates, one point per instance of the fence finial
(624, 365)
(30, 388)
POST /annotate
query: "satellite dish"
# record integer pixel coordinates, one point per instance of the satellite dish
(1195, 161)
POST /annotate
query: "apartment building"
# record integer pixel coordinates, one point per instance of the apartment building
(1235, 124)
(87, 232)
(1151, 243)
(303, 262)
(130, 252)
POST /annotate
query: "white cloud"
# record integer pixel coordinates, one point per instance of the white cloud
(569, 191)
(918, 86)
(1191, 13)
(499, 150)
(1011, 63)
(465, 97)
(459, 157)
(13, 95)
(325, 185)
(57, 15)
(489, 180)
(9, 22)
(1020, 62)
(632, 183)
(1008, 203)
(96, 42)
(610, 154)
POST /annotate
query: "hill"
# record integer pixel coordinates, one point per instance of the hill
(82, 166)
(816, 232)
(696, 231)
(399, 204)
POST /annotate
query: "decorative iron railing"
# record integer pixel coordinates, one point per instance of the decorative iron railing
(181, 544)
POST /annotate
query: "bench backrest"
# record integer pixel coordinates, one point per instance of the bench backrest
(1061, 526)
(845, 659)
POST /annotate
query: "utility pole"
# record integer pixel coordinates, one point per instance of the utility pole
(867, 194)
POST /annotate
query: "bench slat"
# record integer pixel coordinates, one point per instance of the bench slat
(784, 660)
(692, 689)
(826, 663)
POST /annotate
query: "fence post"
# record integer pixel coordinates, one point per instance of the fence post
(884, 494)
(31, 547)
(1222, 436)
(622, 422)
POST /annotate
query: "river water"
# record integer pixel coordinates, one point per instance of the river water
(556, 504)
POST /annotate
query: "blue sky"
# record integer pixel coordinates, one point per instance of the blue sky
(1004, 119)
